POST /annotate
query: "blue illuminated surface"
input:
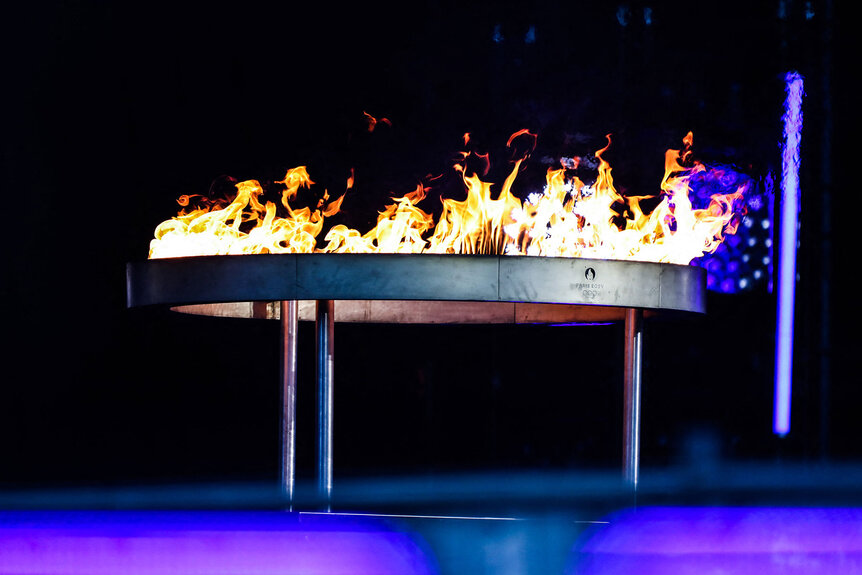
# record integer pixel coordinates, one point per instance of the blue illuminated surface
(787, 250)
(149, 542)
(721, 540)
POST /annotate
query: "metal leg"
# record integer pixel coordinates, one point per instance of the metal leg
(631, 417)
(289, 332)
(325, 328)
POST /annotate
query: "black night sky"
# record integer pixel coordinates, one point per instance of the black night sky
(113, 110)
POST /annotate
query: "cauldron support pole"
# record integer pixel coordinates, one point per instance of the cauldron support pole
(632, 395)
(325, 335)
(289, 331)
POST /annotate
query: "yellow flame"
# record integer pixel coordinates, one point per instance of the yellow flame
(567, 219)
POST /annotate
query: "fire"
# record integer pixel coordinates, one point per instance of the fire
(572, 219)
(567, 218)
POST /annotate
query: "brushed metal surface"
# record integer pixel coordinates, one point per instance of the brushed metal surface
(632, 395)
(325, 338)
(289, 348)
(424, 288)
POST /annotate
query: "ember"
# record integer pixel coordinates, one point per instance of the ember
(568, 218)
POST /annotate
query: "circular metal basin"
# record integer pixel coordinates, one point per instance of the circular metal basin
(418, 288)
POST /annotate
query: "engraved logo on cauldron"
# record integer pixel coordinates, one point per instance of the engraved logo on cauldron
(589, 289)
(590, 293)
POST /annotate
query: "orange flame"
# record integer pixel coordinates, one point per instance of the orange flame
(371, 122)
(568, 218)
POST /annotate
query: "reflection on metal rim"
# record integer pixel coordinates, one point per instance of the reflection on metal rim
(426, 288)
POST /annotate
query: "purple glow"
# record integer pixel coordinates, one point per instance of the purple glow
(739, 540)
(770, 187)
(142, 542)
(787, 251)
(736, 265)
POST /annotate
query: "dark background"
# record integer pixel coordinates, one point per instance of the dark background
(112, 111)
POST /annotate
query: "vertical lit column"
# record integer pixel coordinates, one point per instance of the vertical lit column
(289, 336)
(325, 327)
(632, 395)
(789, 210)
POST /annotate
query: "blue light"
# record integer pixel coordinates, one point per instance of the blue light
(787, 251)
(156, 542)
(734, 266)
(740, 540)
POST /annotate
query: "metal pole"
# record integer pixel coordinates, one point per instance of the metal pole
(289, 335)
(631, 418)
(325, 328)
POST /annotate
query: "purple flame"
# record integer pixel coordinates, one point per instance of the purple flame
(787, 251)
